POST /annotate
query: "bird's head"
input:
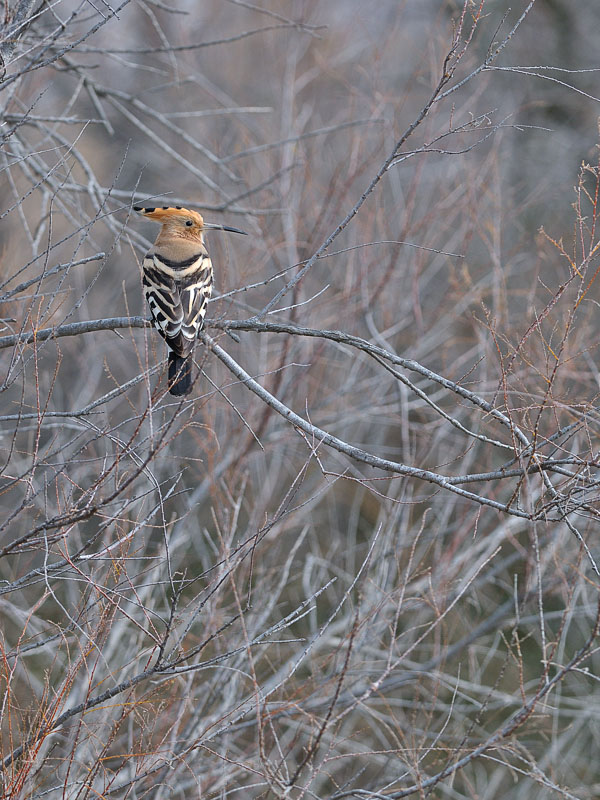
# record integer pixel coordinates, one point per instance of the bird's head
(181, 222)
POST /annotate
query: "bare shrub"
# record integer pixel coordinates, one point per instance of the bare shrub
(360, 560)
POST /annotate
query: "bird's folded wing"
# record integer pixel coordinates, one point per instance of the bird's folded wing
(177, 305)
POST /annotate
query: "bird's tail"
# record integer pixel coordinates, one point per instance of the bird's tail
(180, 374)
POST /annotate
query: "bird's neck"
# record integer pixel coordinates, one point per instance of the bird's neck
(180, 242)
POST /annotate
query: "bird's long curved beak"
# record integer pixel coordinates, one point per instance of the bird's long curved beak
(216, 227)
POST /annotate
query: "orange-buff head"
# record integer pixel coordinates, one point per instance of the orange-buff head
(182, 222)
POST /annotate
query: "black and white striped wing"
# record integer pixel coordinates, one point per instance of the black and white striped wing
(164, 300)
(178, 304)
(194, 300)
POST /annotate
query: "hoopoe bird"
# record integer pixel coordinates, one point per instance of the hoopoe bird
(178, 281)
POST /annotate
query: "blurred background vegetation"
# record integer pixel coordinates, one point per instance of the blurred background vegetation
(360, 559)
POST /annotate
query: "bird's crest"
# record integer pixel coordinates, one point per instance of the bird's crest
(164, 214)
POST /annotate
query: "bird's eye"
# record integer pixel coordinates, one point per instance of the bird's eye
(189, 223)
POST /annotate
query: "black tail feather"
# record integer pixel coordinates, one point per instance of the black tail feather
(180, 374)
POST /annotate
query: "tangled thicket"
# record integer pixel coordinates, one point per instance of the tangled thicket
(361, 559)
